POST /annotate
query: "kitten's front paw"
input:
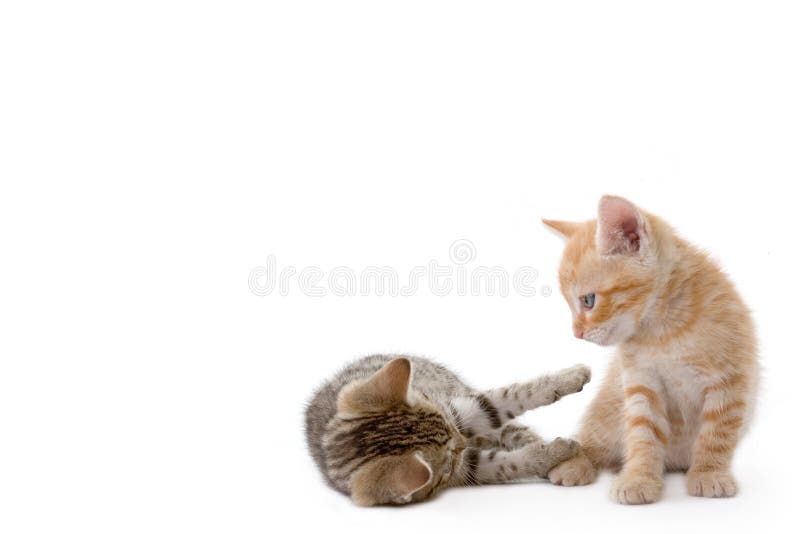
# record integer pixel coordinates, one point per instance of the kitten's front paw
(541, 457)
(636, 489)
(562, 449)
(577, 471)
(572, 380)
(711, 484)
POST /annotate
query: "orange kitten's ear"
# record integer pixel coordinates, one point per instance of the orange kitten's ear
(390, 480)
(621, 227)
(563, 228)
(386, 388)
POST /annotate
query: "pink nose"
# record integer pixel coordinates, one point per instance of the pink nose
(578, 332)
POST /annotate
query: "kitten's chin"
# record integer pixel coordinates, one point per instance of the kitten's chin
(607, 342)
(618, 332)
(603, 337)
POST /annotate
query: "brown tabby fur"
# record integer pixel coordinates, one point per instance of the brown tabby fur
(394, 430)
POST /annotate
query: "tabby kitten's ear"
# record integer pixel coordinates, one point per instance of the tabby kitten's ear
(621, 227)
(386, 388)
(565, 229)
(390, 480)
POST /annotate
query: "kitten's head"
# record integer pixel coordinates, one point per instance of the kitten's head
(387, 444)
(608, 270)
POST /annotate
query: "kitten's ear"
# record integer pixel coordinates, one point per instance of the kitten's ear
(386, 388)
(390, 480)
(391, 382)
(409, 476)
(621, 227)
(564, 229)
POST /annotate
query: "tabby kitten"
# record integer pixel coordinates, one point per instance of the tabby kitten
(681, 388)
(397, 430)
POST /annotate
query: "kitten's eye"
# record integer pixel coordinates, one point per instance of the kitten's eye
(588, 301)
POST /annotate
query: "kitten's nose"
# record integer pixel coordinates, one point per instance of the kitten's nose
(578, 332)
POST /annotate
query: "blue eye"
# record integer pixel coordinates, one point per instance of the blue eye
(588, 301)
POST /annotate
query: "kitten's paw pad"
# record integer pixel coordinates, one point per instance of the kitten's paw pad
(711, 484)
(572, 380)
(629, 489)
(577, 471)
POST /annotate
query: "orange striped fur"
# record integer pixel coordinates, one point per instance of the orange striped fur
(680, 390)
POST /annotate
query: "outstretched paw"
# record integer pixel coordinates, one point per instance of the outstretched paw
(577, 471)
(571, 380)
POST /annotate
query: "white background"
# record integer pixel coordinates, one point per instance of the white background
(153, 153)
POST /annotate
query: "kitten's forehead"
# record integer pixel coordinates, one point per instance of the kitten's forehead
(580, 263)
(352, 442)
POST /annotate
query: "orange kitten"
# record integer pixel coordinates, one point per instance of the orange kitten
(681, 388)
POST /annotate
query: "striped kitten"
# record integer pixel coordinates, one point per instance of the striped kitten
(397, 430)
(681, 389)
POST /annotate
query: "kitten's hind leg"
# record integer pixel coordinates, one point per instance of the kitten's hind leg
(509, 436)
(514, 436)
(498, 466)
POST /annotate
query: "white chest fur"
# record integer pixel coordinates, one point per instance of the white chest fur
(679, 386)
